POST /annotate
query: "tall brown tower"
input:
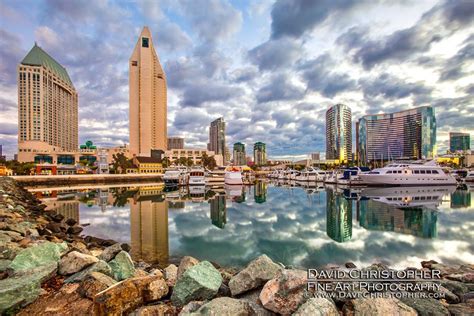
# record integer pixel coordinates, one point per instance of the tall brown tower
(148, 100)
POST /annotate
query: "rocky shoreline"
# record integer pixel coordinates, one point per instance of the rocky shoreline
(48, 268)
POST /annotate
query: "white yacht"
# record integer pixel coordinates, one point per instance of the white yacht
(233, 175)
(175, 176)
(197, 177)
(402, 174)
(429, 196)
(311, 175)
(470, 176)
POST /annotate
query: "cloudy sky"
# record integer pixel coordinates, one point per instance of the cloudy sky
(270, 68)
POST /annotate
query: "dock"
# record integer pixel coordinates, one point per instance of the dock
(87, 178)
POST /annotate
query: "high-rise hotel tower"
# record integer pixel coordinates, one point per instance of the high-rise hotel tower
(148, 100)
(339, 133)
(47, 106)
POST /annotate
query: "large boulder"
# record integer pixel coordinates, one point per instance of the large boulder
(41, 254)
(24, 287)
(122, 266)
(110, 252)
(94, 283)
(224, 306)
(317, 307)
(200, 282)
(171, 274)
(377, 307)
(186, 263)
(426, 306)
(74, 262)
(126, 296)
(256, 274)
(285, 293)
(101, 266)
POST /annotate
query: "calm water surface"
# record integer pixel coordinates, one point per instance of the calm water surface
(302, 227)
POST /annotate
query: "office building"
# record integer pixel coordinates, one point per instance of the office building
(239, 155)
(147, 97)
(315, 156)
(339, 133)
(260, 154)
(194, 154)
(175, 143)
(217, 137)
(1, 153)
(47, 106)
(459, 142)
(409, 134)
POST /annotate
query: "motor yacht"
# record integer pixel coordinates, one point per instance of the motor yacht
(402, 174)
(233, 176)
(469, 176)
(197, 177)
(311, 175)
(174, 176)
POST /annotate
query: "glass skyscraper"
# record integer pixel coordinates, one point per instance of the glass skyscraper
(217, 138)
(339, 133)
(409, 134)
(239, 154)
(259, 153)
(459, 141)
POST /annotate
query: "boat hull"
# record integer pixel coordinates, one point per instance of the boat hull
(384, 180)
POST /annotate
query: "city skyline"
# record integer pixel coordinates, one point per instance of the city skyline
(277, 77)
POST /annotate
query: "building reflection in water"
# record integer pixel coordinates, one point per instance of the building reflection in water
(149, 226)
(218, 210)
(260, 192)
(460, 199)
(414, 221)
(338, 216)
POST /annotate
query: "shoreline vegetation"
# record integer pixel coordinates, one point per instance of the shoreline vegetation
(48, 268)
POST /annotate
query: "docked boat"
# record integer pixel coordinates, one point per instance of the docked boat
(197, 177)
(470, 176)
(311, 175)
(233, 176)
(175, 177)
(404, 174)
(331, 177)
(351, 176)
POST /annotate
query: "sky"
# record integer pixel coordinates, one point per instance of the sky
(270, 68)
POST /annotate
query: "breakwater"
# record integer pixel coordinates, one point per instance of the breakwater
(86, 178)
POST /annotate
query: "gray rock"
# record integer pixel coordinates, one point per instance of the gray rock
(110, 252)
(186, 263)
(225, 306)
(462, 309)
(317, 307)
(426, 306)
(455, 287)
(171, 274)
(100, 266)
(191, 307)
(200, 282)
(74, 262)
(254, 275)
(122, 266)
(39, 255)
(377, 306)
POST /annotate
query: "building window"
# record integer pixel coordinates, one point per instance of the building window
(144, 41)
(134, 63)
